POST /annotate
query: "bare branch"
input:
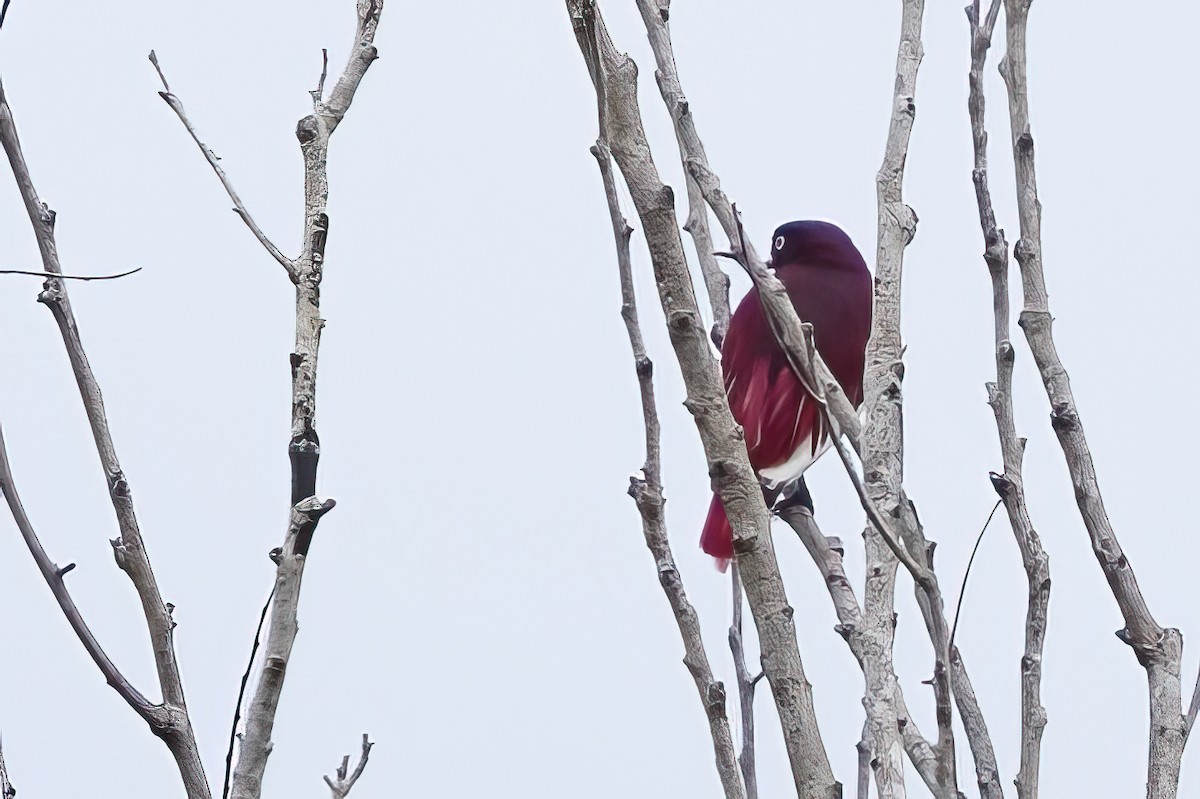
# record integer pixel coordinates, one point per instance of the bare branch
(154, 714)
(313, 133)
(68, 277)
(647, 494)
(1158, 649)
(7, 791)
(746, 685)
(343, 783)
(238, 206)
(654, 15)
(1010, 485)
(174, 725)
(615, 78)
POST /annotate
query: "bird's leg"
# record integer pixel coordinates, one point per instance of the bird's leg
(795, 493)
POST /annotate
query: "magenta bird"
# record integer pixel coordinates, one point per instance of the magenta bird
(830, 287)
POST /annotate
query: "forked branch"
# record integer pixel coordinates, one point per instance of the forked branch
(170, 721)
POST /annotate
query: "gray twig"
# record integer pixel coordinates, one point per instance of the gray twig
(344, 780)
(238, 206)
(746, 685)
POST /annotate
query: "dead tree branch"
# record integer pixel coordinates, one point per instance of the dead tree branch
(647, 494)
(170, 721)
(344, 779)
(746, 685)
(1158, 649)
(614, 76)
(238, 206)
(1010, 485)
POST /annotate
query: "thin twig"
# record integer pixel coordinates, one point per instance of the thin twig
(1158, 649)
(746, 685)
(319, 94)
(237, 708)
(68, 277)
(173, 724)
(962, 589)
(647, 494)
(345, 781)
(3, 13)
(238, 206)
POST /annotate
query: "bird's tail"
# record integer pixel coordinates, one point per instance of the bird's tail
(717, 536)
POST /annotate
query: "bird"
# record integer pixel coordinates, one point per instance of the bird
(830, 286)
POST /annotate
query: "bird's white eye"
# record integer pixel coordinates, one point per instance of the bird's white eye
(779, 242)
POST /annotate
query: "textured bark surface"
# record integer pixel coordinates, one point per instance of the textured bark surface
(883, 442)
(1158, 649)
(615, 78)
(1009, 485)
(168, 720)
(647, 493)
(313, 133)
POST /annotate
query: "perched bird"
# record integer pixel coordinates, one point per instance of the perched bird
(830, 287)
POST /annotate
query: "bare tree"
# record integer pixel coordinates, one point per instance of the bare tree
(894, 536)
(169, 719)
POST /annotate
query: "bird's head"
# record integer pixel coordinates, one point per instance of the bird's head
(810, 241)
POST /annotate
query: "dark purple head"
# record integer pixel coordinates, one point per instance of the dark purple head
(812, 242)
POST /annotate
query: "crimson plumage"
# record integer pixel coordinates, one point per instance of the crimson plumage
(830, 286)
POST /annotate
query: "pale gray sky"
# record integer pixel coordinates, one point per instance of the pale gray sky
(481, 600)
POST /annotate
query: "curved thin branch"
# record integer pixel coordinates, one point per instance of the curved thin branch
(154, 714)
(68, 277)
